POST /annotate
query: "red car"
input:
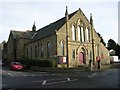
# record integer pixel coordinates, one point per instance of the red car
(16, 66)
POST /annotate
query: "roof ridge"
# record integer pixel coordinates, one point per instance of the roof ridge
(59, 20)
(51, 23)
(17, 31)
(50, 29)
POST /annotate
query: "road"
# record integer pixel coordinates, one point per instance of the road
(34, 79)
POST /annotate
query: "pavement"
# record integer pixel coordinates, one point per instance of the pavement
(71, 70)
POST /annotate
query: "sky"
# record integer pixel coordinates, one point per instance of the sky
(21, 15)
(119, 23)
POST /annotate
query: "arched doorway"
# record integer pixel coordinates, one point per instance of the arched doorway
(82, 57)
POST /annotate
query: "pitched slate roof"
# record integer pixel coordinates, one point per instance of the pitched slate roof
(27, 35)
(21, 34)
(51, 28)
(16, 34)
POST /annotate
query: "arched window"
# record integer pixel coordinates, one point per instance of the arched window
(62, 48)
(97, 49)
(35, 51)
(82, 34)
(73, 33)
(88, 35)
(48, 49)
(27, 53)
(41, 51)
(90, 55)
(73, 53)
(79, 33)
(31, 52)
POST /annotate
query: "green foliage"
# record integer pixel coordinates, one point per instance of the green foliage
(40, 63)
(113, 45)
(101, 39)
(118, 50)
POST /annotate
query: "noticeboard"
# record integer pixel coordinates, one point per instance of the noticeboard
(62, 60)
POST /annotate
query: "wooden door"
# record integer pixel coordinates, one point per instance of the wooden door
(81, 57)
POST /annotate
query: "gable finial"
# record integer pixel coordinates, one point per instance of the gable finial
(91, 19)
(66, 12)
(34, 27)
(34, 23)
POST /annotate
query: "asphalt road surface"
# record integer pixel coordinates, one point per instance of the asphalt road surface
(33, 79)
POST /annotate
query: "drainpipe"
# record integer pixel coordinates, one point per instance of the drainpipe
(92, 33)
(67, 18)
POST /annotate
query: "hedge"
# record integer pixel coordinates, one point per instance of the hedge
(40, 63)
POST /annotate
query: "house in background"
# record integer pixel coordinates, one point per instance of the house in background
(73, 38)
(1, 48)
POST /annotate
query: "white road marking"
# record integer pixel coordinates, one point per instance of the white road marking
(66, 80)
(60, 82)
(96, 75)
(35, 81)
(44, 82)
(10, 74)
(92, 75)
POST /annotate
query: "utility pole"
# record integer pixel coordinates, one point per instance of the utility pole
(92, 33)
(67, 18)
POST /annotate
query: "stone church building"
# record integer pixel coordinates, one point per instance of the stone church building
(72, 39)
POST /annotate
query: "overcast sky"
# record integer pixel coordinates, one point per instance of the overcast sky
(21, 15)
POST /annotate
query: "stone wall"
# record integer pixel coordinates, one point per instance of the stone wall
(37, 44)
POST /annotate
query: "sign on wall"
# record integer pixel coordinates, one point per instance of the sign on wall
(62, 60)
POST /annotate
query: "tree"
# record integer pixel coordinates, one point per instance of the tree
(111, 45)
(118, 50)
(101, 39)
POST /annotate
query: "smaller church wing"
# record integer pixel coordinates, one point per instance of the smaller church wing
(15, 34)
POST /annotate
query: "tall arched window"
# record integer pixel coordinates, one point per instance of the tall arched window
(41, 51)
(27, 53)
(62, 48)
(88, 35)
(35, 51)
(31, 52)
(79, 33)
(48, 49)
(97, 49)
(90, 55)
(73, 33)
(82, 34)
